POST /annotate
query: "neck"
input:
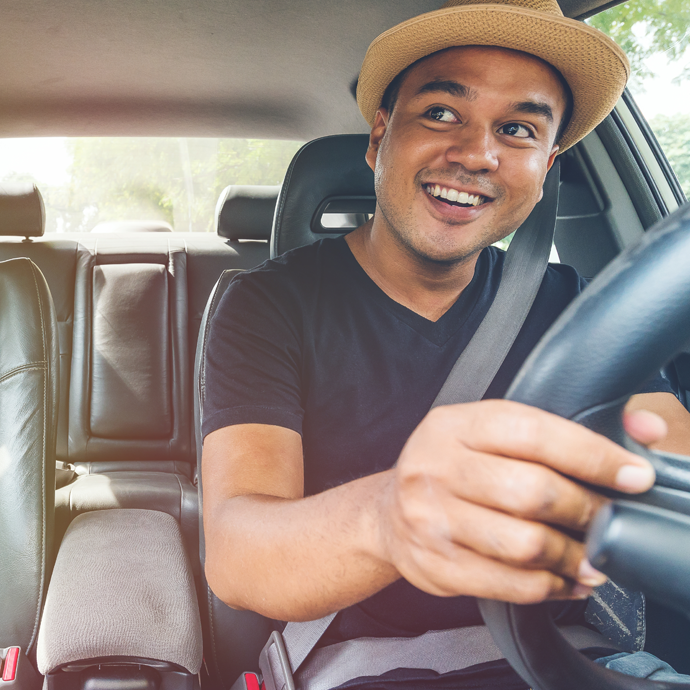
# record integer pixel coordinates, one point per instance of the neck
(426, 287)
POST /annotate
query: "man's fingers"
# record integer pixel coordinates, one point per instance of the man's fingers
(513, 430)
(524, 489)
(521, 543)
(463, 571)
(644, 426)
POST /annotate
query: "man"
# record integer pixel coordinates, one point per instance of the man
(322, 470)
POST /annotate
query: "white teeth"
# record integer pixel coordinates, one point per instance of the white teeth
(454, 195)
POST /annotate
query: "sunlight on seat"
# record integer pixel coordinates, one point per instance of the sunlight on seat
(5, 460)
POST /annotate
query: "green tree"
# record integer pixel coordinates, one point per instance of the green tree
(645, 27)
(175, 180)
(673, 133)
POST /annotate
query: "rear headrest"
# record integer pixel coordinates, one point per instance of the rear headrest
(132, 226)
(245, 212)
(22, 211)
(327, 176)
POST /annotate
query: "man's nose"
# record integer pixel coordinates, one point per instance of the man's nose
(475, 148)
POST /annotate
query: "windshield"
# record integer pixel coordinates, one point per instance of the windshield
(87, 181)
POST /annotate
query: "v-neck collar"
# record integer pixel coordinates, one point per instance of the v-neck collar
(440, 331)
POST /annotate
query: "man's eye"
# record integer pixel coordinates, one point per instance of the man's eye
(513, 129)
(441, 114)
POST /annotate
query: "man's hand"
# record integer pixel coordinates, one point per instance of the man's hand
(481, 492)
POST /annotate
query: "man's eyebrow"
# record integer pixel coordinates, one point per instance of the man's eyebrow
(449, 86)
(533, 108)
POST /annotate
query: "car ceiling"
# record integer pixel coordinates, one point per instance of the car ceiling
(264, 68)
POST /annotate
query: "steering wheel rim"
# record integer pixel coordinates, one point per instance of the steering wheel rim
(631, 320)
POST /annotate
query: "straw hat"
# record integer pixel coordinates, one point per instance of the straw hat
(594, 66)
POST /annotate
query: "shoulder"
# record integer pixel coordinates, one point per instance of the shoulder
(566, 279)
(559, 277)
(296, 268)
(283, 285)
(560, 286)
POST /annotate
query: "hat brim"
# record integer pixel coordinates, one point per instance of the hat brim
(594, 66)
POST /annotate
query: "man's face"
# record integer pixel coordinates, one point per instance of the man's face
(479, 123)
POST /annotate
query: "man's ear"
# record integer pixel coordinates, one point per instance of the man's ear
(549, 163)
(377, 133)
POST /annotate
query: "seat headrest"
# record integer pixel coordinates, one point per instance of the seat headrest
(245, 212)
(132, 226)
(328, 177)
(22, 211)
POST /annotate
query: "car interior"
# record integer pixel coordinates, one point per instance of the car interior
(103, 332)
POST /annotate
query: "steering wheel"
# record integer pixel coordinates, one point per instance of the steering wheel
(631, 320)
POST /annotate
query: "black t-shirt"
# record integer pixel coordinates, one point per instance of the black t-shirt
(309, 342)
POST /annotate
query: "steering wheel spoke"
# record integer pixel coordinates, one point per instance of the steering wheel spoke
(672, 469)
(644, 547)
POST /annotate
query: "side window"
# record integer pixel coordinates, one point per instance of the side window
(655, 34)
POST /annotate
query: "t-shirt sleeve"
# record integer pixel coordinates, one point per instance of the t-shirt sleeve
(253, 359)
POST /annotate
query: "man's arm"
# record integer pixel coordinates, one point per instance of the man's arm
(472, 507)
(270, 550)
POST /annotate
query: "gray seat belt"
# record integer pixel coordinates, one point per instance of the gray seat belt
(441, 651)
(523, 271)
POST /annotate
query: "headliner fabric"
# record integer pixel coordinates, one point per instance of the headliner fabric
(121, 586)
(185, 68)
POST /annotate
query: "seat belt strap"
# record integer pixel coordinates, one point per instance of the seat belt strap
(64, 474)
(441, 651)
(523, 271)
(284, 654)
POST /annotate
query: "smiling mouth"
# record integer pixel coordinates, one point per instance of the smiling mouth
(454, 198)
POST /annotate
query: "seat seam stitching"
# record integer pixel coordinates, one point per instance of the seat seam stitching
(181, 494)
(43, 468)
(29, 366)
(202, 363)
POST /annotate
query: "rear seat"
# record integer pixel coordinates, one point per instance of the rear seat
(129, 415)
(129, 309)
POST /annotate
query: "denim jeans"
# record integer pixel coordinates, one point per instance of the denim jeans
(642, 665)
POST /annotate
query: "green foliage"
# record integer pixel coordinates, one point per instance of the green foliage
(673, 133)
(505, 242)
(175, 180)
(645, 27)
